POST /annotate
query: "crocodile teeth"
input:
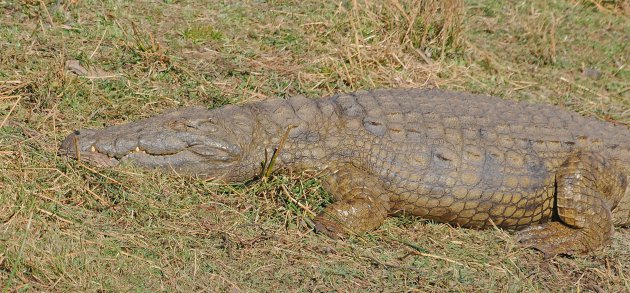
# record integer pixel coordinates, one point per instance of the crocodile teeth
(93, 149)
(137, 150)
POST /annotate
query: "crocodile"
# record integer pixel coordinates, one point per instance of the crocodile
(561, 180)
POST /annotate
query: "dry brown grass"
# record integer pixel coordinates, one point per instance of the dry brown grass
(69, 227)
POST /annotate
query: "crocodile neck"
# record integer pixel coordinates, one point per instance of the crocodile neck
(298, 130)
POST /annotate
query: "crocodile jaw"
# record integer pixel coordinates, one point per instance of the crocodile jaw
(80, 145)
(73, 146)
(190, 141)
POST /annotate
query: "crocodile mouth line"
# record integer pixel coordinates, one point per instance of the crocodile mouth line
(104, 159)
(144, 157)
(77, 153)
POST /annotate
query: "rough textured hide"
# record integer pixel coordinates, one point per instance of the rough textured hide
(469, 160)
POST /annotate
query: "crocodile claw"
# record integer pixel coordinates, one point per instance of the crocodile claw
(330, 228)
(553, 238)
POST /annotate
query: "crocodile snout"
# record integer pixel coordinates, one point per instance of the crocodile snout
(154, 146)
(80, 145)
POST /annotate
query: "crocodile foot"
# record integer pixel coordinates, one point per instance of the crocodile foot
(348, 217)
(555, 238)
(330, 228)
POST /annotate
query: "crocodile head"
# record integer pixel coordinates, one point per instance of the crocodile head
(194, 141)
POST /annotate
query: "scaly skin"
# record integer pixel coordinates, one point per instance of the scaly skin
(469, 160)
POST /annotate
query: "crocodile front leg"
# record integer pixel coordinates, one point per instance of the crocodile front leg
(587, 189)
(361, 204)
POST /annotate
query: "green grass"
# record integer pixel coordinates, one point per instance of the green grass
(201, 34)
(69, 227)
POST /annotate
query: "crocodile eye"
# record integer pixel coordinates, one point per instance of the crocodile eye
(206, 125)
(178, 124)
